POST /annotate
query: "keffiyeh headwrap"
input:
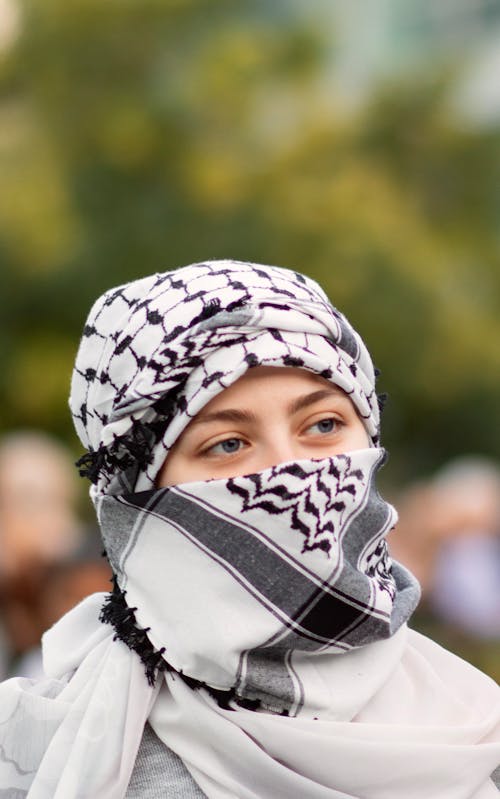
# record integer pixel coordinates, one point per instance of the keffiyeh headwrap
(155, 351)
(265, 608)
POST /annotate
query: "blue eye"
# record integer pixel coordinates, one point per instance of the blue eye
(228, 447)
(325, 425)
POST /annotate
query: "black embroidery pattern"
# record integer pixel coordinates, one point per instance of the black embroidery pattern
(316, 511)
(377, 565)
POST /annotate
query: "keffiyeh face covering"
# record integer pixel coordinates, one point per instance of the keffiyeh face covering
(264, 608)
(247, 578)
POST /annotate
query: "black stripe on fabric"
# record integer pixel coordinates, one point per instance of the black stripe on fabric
(326, 608)
(351, 546)
(292, 593)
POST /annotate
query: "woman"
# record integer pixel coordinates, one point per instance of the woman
(255, 642)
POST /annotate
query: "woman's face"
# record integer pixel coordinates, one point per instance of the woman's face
(270, 415)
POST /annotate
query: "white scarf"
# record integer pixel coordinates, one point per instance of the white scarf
(402, 717)
(275, 591)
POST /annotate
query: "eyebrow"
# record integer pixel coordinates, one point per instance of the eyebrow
(316, 396)
(243, 416)
(227, 415)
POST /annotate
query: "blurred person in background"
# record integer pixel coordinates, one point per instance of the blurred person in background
(465, 589)
(255, 643)
(449, 536)
(62, 584)
(40, 536)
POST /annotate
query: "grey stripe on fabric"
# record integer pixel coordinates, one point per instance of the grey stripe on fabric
(496, 777)
(266, 675)
(361, 633)
(117, 521)
(293, 594)
(120, 529)
(371, 519)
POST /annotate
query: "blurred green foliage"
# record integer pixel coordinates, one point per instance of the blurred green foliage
(139, 136)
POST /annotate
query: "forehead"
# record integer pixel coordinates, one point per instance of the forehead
(258, 382)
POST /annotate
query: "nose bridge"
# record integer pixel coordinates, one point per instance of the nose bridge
(281, 446)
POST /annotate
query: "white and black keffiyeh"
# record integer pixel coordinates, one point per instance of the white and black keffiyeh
(293, 560)
(264, 608)
(154, 352)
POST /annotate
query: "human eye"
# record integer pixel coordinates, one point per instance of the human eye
(323, 426)
(228, 446)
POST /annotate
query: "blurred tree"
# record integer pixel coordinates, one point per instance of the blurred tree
(136, 137)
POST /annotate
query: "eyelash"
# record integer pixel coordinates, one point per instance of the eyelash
(335, 424)
(211, 450)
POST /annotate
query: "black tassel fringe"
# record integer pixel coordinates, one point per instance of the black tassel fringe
(116, 612)
(135, 449)
(382, 401)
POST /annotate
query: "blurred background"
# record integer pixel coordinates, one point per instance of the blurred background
(356, 142)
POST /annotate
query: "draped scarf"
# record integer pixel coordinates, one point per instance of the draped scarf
(258, 622)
